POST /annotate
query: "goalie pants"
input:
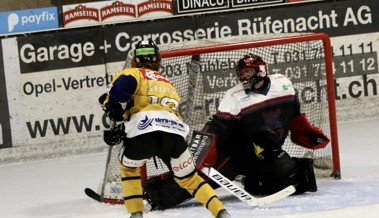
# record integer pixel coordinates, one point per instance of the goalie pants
(173, 150)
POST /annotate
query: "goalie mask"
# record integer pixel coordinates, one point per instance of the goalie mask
(146, 55)
(251, 69)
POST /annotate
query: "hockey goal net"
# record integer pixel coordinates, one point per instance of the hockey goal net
(203, 70)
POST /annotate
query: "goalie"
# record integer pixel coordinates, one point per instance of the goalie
(251, 124)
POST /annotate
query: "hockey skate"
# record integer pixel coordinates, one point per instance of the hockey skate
(223, 214)
(136, 215)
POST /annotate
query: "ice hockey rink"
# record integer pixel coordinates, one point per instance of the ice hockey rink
(55, 188)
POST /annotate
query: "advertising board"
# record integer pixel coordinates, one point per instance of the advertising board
(105, 12)
(29, 20)
(61, 74)
(194, 6)
(5, 128)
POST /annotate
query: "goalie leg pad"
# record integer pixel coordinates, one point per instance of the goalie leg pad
(273, 175)
(163, 192)
(306, 176)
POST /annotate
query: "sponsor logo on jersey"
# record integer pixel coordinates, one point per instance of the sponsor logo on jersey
(161, 122)
(245, 98)
(183, 165)
(286, 86)
(153, 75)
(143, 124)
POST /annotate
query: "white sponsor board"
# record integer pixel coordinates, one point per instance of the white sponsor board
(103, 12)
(356, 93)
(55, 105)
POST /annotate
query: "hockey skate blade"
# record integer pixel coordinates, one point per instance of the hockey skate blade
(263, 201)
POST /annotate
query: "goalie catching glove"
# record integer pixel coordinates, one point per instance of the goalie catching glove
(307, 135)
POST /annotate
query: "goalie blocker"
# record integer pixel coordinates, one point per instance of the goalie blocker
(268, 177)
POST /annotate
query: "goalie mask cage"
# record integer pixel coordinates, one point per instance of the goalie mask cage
(203, 70)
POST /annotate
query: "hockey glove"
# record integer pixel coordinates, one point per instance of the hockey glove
(114, 136)
(307, 135)
(114, 111)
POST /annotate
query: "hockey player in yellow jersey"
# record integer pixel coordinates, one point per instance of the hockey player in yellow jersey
(145, 104)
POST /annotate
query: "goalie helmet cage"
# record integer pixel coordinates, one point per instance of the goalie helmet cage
(203, 70)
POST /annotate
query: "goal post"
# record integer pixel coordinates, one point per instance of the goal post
(202, 70)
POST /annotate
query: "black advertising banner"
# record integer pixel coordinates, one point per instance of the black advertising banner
(86, 47)
(335, 19)
(5, 128)
(123, 38)
(71, 49)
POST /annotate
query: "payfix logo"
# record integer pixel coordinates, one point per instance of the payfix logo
(34, 19)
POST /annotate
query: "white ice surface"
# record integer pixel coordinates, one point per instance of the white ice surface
(55, 188)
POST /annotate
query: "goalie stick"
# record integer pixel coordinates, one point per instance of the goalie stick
(244, 195)
(201, 143)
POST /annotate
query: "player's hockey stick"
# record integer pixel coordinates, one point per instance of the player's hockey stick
(91, 193)
(244, 195)
(99, 196)
(95, 196)
(200, 145)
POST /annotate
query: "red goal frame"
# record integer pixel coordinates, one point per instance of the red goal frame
(328, 58)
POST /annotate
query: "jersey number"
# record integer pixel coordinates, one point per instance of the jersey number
(165, 102)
